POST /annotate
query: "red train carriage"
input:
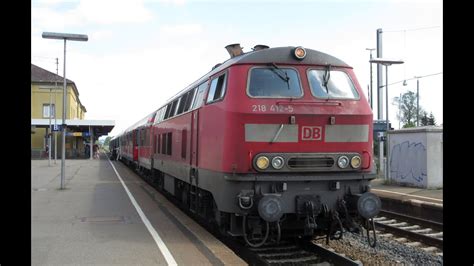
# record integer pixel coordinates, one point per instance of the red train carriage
(271, 143)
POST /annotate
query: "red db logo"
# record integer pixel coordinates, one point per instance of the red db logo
(311, 133)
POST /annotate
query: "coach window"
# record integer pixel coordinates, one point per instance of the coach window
(163, 143)
(331, 84)
(274, 82)
(169, 142)
(137, 137)
(199, 95)
(217, 89)
(147, 137)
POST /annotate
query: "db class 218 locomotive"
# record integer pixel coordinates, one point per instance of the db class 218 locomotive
(280, 145)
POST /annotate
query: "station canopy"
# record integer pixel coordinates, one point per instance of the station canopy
(100, 127)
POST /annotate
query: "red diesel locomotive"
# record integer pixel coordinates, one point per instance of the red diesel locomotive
(271, 143)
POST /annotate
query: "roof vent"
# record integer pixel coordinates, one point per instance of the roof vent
(260, 47)
(234, 50)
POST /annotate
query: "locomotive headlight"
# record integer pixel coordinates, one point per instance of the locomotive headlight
(343, 162)
(262, 162)
(356, 161)
(300, 53)
(278, 162)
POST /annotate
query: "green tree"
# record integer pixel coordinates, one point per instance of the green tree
(431, 120)
(407, 105)
(424, 119)
(107, 141)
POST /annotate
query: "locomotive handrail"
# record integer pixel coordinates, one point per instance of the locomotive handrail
(311, 103)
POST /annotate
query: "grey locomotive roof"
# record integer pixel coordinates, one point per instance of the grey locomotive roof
(277, 55)
(282, 55)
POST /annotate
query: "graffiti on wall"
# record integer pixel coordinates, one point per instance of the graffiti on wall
(408, 163)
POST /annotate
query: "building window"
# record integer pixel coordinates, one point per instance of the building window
(46, 110)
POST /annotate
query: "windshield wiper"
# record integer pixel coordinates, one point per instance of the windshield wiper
(285, 78)
(326, 77)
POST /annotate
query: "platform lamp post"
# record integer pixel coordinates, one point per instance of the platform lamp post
(386, 63)
(65, 37)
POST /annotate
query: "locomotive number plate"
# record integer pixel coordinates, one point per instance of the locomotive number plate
(263, 108)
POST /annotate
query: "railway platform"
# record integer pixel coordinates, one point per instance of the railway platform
(108, 215)
(420, 203)
(406, 193)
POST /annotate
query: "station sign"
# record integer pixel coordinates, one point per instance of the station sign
(381, 126)
(74, 134)
(57, 128)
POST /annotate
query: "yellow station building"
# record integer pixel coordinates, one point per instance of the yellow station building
(46, 110)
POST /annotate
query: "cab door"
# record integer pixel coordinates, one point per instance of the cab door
(198, 102)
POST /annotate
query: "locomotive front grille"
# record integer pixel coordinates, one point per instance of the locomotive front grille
(311, 163)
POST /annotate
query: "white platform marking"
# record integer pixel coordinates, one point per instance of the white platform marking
(159, 242)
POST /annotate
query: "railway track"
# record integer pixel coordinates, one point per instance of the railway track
(284, 253)
(294, 253)
(422, 232)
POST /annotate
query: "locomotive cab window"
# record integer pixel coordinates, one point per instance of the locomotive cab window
(217, 89)
(274, 82)
(331, 84)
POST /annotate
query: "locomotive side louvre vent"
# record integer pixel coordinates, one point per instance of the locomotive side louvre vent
(311, 163)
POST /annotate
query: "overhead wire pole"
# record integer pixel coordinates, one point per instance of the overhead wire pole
(417, 101)
(64, 37)
(379, 76)
(371, 92)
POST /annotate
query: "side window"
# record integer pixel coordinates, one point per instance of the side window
(173, 107)
(199, 95)
(163, 111)
(182, 103)
(189, 99)
(167, 113)
(217, 89)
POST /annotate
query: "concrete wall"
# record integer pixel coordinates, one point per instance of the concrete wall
(416, 156)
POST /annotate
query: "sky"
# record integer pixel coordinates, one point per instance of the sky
(142, 52)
